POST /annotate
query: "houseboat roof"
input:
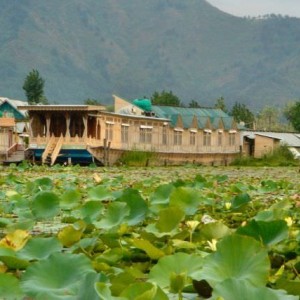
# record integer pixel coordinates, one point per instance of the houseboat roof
(11, 107)
(62, 107)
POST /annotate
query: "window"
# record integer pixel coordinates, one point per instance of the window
(109, 131)
(220, 138)
(124, 133)
(192, 138)
(231, 138)
(164, 135)
(206, 138)
(177, 137)
(145, 135)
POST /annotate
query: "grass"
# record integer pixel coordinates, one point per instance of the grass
(279, 157)
(137, 158)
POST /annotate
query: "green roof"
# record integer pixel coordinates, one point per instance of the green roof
(214, 115)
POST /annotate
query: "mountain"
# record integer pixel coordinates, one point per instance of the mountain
(93, 49)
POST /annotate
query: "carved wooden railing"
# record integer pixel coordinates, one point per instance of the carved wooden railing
(48, 148)
(57, 149)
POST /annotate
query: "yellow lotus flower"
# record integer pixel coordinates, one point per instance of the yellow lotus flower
(212, 245)
(227, 205)
(289, 221)
(192, 224)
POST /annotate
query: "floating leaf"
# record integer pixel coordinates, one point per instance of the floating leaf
(239, 289)
(15, 240)
(70, 199)
(160, 197)
(40, 248)
(144, 291)
(10, 287)
(45, 205)
(270, 233)
(215, 230)
(152, 251)
(240, 201)
(237, 257)
(86, 289)
(186, 198)
(169, 219)
(178, 263)
(91, 211)
(100, 193)
(114, 216)
(104, 292)
(70, 235)
(9, 258)
(57, 277)
(137, 206)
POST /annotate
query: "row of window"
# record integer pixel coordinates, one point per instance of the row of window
(145, 136)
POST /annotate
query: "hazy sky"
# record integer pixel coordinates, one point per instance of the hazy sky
(258, 7)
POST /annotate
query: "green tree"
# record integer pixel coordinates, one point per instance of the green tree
(221, 104)
(34, 88)
(194, 104)
(292, 113)
(90, 101)
(242, 114)
(270, 118)
(165, 98)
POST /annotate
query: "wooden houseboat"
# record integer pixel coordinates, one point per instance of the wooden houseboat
(11, 122)
(82, 133)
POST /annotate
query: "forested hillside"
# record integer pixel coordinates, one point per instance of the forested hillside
(92, 49)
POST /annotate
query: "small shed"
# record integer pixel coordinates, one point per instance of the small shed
(259, 143)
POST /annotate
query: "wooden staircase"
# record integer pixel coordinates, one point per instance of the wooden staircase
(52, 150)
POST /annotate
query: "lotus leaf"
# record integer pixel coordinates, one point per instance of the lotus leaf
(104, 292)
(270, 233)
(239, 257)
(15, 240)
(57, 277)
(152, 251)
(177, 263)
(144, 291)
(239, 289)
(40, 248)
(10, 287)
(188, 199)
(70, 199)
(45, 205)
(91, 211)
(240, 201)
(137, 206)
(169, 219)
(100, 193)
(70, 235)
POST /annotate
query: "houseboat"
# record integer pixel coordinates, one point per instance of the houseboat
(83, 133)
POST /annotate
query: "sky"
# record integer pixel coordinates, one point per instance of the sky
(256, 8)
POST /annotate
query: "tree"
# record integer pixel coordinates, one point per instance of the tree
(165, 98)
(90, 101)
(269, 118)
(194, 104)
(241, 113)
(292, 113)
(34, 88)
(221, 104)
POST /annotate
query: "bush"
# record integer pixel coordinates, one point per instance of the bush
(137, 158)
(281, 156)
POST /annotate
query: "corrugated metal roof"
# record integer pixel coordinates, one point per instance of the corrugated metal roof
(202, 114)
(288, 138)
